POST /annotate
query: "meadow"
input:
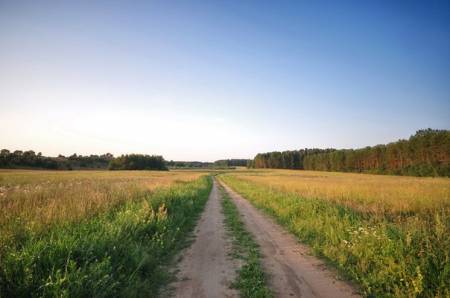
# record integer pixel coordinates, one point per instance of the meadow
(389, 234)
(93, 233)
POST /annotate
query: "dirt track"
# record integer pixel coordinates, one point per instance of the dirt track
(293, 272)
(207, 270)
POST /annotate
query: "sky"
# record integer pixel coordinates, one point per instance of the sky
(207, 80)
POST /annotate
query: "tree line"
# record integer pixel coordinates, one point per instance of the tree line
(293, 159)
(138, 162)
(29, 159)
(227, 163)
(426, 153)
(222, 163)
(189, 164)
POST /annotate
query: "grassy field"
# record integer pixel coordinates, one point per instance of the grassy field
(389, 234)
(93, 233)
(34, 200)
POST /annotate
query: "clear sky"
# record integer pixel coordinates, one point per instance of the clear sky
(205, 80)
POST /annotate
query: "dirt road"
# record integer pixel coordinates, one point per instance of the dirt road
(206, 269)
(293, 273)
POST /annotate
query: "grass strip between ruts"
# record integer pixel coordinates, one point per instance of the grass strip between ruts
(251, 280)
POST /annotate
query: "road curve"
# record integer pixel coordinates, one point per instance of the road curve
(292, 271)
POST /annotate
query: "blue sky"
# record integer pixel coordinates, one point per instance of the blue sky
(205, 80)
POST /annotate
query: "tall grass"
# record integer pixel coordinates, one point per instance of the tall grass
(362, 192)
(389, 253)
(117, 252)
(31, 201)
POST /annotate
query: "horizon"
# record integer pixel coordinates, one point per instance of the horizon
(202, 161)
(197, 81)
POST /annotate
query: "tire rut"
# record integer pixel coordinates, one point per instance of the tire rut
(206, 269)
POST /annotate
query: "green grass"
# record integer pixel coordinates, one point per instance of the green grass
(251, 279)
(403, 257)
(118, 253)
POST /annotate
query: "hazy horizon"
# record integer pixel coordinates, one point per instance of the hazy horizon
(194, 80)
(191, 160)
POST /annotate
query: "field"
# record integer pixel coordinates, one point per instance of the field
(389, 234)
(113, 233)
(93, 233)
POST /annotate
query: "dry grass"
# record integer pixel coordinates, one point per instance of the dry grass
(122, 251)
(33, 200)
(362, 192)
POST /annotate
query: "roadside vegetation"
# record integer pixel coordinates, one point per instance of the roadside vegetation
(110, 240)
(389, 234)
(32, 201)
(251, 279)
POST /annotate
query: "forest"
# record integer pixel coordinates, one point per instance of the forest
(426, 153)
(29, 159)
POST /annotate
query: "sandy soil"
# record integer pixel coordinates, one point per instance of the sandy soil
(206, 269)
(292, 270)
